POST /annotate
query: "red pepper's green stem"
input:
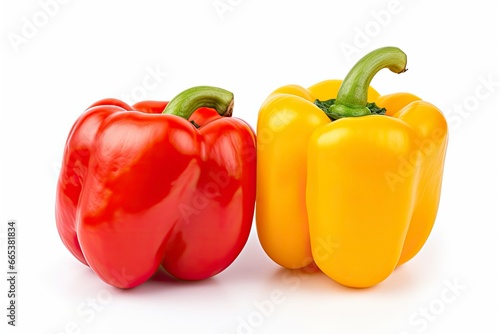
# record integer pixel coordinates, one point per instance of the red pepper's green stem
(353, 93)
(187, 102)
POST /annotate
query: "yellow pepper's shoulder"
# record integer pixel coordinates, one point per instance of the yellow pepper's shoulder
(328, 89)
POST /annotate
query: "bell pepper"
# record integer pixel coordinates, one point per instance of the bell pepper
(158, 184)
(347, 180)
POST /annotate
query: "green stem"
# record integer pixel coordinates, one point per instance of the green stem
(188, 101)
(353, 93)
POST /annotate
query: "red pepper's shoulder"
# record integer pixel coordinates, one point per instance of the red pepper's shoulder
(111, 102)
(150, 107)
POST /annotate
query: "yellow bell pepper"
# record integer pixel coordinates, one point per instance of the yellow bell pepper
(340, 184)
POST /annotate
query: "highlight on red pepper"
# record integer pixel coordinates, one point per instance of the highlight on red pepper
(158, 184)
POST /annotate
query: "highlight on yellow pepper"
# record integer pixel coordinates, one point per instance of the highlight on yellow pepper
(347, 179)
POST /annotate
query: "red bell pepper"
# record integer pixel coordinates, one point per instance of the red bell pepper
(141, 187)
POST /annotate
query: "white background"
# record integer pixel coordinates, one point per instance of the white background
(88, 50)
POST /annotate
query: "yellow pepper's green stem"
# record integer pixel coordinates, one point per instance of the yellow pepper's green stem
(188, 101)
(352, 97)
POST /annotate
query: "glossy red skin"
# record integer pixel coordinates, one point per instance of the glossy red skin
(139, 189)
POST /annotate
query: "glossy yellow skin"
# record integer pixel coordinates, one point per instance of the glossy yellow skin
(286, 121)
(357, 196)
